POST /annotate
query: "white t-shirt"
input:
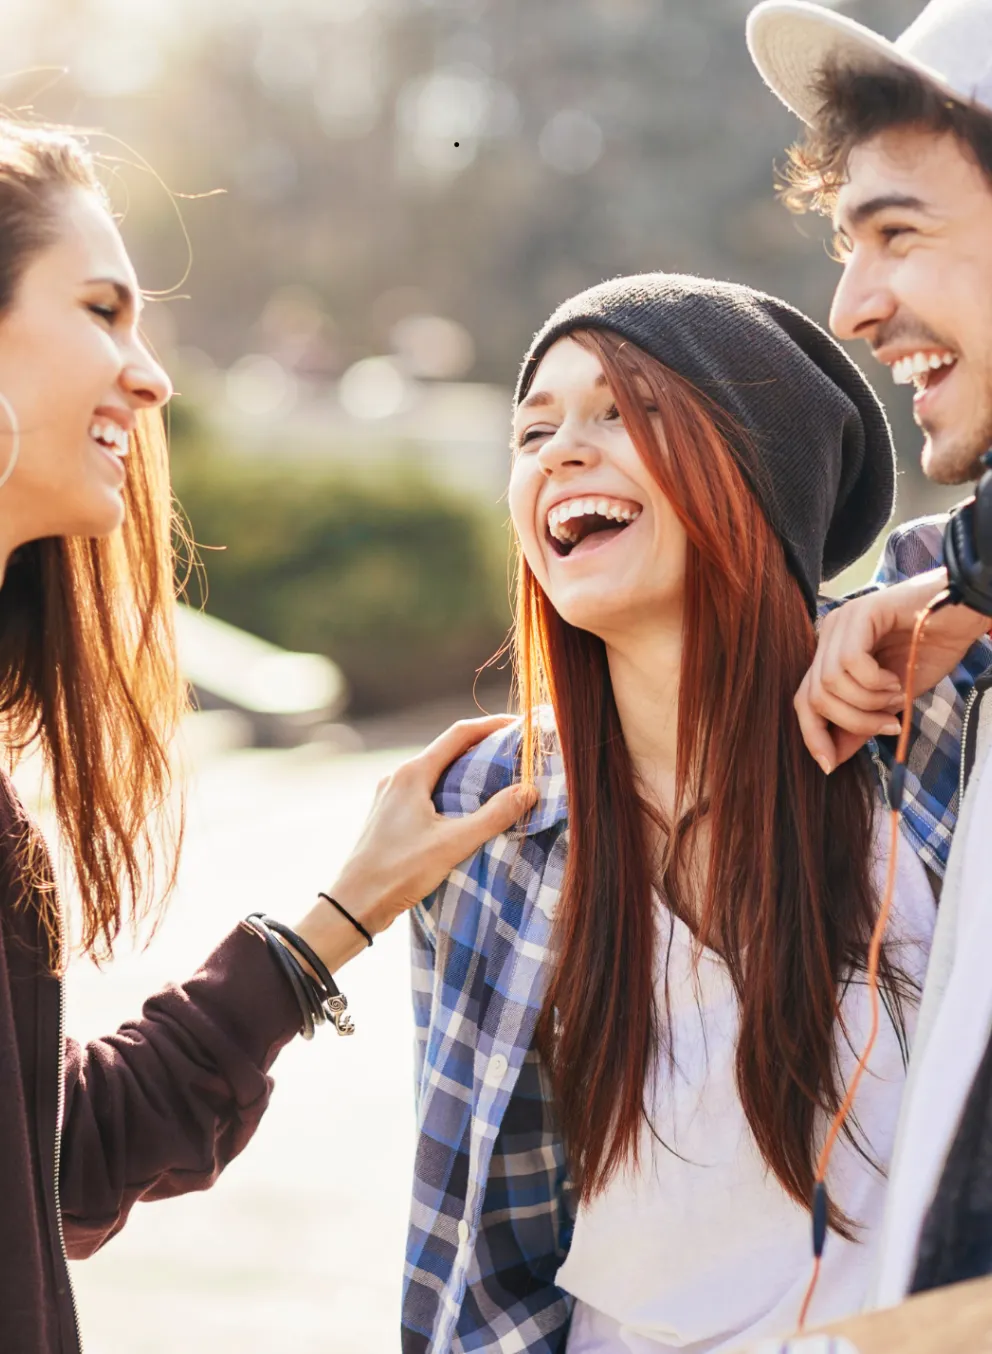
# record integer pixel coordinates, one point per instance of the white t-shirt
(700, 1249)
(945, 1064)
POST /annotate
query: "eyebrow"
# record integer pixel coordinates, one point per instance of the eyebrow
(540, 398)
(125, 296)
(872, 206)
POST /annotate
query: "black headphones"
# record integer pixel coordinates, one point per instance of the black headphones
(968, 547)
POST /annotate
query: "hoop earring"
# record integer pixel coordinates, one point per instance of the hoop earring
(15, 429)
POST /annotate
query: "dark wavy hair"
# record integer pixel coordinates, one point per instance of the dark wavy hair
(857, 104)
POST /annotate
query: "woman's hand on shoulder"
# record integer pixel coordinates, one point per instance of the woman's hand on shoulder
(407, 848)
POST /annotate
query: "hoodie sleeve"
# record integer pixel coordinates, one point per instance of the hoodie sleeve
(160, 1107)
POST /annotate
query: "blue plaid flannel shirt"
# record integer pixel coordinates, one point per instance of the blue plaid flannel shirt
(492, 1211)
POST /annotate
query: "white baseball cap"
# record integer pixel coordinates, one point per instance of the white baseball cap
(949, 43)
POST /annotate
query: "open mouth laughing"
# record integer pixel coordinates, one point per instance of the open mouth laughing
(110, 436)
(925, 369)
(577, 525)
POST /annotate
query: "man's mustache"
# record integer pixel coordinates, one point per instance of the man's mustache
(905, 329)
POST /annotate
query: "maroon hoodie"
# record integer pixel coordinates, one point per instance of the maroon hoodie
(157, 1109)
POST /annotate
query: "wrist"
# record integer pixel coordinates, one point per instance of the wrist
(366, 896)
(958, 620)
(922, 589)
(330, 935)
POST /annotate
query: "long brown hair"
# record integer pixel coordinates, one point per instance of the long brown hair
(788, 901)
(87, 652)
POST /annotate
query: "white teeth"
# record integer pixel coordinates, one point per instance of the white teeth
(917, 364)
(110, 435)
(561, 514)
(902, 371)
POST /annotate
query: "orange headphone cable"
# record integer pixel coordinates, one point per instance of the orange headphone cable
(896, 783)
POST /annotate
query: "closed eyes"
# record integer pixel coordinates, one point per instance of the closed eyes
(108, 313)
(610, 415)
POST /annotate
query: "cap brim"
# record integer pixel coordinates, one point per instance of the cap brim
(791, 42)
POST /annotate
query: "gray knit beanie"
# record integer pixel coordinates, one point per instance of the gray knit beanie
(817, 450)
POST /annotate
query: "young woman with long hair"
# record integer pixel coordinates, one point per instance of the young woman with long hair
(88, 674)
(639, 1011)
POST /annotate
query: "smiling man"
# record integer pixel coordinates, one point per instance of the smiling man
(913, 225)
(898, 151)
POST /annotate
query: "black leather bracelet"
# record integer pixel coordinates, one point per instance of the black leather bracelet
(285, 962)
(345, 913)
(314, 960)
(320, 999)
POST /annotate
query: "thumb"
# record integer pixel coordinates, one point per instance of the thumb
(847, 744)
(496, 816)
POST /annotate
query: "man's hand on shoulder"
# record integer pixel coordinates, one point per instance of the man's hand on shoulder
(855, 686)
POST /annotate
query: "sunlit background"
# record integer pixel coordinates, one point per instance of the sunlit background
(357, 212)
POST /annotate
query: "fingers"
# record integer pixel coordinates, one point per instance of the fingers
(841, 685)
(451, 744)
(863, 670)
(496, 815)
(845, 653)
(852, 718)
(813, 726)
(833, 729)
(847, 696)
(847, 744)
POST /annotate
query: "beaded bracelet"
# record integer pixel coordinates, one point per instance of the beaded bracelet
(320, 999)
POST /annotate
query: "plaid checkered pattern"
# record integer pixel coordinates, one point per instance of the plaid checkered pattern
(930, 808)
(492, 1210)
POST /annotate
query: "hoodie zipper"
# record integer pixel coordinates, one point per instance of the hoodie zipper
(58, 1153)
(964, 768)
(982, 683)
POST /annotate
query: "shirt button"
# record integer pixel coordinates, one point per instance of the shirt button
(496, 1070)
(462, 1231)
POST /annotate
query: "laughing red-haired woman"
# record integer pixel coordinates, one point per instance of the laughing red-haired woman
(88, 674)
(639, 1011)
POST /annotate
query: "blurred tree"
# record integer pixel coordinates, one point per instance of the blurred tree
(403, 586)
(475, 160)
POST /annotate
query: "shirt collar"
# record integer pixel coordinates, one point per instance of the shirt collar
(551, 808)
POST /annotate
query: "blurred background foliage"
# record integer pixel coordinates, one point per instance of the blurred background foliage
(407, 188)
(402, 582)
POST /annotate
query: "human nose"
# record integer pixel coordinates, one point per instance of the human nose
(569, 449)
(862, 302)
(144, 380)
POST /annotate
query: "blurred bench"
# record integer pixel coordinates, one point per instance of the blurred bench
(285, 697)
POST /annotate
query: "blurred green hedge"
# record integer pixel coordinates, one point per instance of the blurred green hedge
(402, 584)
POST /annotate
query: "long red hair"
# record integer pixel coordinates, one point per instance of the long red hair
(789, 900)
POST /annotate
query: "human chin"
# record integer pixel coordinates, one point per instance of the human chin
(952, 456)
(97, 508)
(98, 512)
(597, 606)
(956, 420)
